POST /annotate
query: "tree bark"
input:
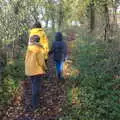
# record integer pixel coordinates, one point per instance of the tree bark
(114, 4)
(46, 23)
(53, 24)
(92, 16)
(107, 22)
(61, 16)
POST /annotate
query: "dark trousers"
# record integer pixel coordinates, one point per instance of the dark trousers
(35, 80)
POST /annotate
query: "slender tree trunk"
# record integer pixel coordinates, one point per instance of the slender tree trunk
(60, 21)
(61, 16)
(13, 49)
(92, 16)
(1, 42)
(114, 15)
(46, 22)
(107, 22)
(53, 24)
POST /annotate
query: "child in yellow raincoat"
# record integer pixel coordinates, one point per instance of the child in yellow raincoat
(38, 30)
(35, 67)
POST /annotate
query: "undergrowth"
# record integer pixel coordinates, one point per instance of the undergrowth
(95, 91)
(13, 74)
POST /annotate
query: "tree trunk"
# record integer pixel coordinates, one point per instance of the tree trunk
(114, 4)
(46, 23)
(60, 21)
(60, 17)
(92, 16)
(107, 22)
(13, 49)
(53, 24)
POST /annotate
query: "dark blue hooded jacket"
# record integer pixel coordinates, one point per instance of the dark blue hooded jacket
(59, 48)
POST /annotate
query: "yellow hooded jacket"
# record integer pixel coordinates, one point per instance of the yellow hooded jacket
(43, 39)
(35, 61)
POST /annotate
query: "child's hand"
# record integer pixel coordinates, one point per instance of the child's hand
(49, 53)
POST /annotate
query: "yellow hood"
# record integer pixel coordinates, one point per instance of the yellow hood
(43, 39)
(36, 31)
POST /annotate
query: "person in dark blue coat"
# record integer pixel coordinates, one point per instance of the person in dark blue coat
(59, 51)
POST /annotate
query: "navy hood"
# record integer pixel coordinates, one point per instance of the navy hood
(58, 36)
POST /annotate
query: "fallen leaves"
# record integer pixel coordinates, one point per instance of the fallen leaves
(52, 97)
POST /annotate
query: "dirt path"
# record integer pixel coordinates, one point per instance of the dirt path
(52, 98)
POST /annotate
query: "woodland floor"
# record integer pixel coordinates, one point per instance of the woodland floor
(52, 98)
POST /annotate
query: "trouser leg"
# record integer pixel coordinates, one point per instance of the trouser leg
(35, 90)
(59, 68)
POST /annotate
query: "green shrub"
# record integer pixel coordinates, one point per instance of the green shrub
(13, 74)
(99, 89)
